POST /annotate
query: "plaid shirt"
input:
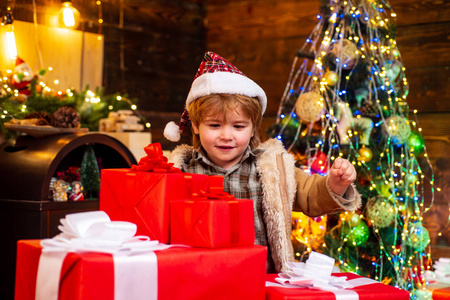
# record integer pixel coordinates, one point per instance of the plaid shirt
(242, 181)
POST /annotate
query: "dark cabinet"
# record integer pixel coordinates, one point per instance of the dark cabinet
(27, 166)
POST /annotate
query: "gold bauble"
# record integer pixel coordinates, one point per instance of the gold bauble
(365, 154)
(331, 78)
(309, 106)
(347, 53)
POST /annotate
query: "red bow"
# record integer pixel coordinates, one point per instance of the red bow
(215, 190)
(155, 161)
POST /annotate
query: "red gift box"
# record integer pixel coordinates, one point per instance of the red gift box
(212, 223)
(375, 291)
(143, 197)
(183, 273)
(212, 219)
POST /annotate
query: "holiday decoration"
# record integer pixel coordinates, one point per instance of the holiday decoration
(22, 77)
(60, 188)
(76, 193)
(122, 120)
(38, 99)
(380, 212)
(419, 238)
(346, 122)
(349, 80)
(90, 174)
(66, 117)
(331, 78)
(365, 154)
(308, 231)
(416, 143)
(346, 53)
(398, 129)
(309, 106)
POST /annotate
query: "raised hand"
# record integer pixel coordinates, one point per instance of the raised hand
(342, 174)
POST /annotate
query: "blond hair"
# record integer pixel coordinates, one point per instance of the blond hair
(215, 104)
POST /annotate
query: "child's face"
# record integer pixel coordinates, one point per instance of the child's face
(225, 142)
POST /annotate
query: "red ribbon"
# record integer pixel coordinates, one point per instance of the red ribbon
(155, 161)
(215, 190)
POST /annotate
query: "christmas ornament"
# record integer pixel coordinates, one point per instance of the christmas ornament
(380, 211)
(346, 122)
(308, 231)
(320, 163)
(356, 235)
(60, 191)
(331, 78)
(346, 54)
(310, 106)
(76, 191)
(384, 190)
(66, 117)
(419, 238)
(393, 69)
(398, 129)
(22, 77)
(365, 154)
(350, 218)
(416, 143)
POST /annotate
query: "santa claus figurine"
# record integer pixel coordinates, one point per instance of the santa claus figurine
(22, 77)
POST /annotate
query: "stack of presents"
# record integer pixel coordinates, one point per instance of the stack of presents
(163, 234)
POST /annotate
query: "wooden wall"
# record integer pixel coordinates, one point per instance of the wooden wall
(153, 48)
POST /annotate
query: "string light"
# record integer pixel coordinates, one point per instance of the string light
(10, 36)
(69, 16)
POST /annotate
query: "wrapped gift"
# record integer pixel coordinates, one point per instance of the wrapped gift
(141, 195)
(213, 219)
(363, 289)
(314, 280)
(95, 258)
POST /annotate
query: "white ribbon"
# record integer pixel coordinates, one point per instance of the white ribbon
(135, 265)
(441, 273)
(316, 273)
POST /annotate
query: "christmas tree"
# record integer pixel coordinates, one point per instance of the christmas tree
(90, 174)
(346, 96)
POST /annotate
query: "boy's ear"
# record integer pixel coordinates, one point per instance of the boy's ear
(195, 128)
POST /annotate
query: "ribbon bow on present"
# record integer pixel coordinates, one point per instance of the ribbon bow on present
(94, 231)
(316, 273)
(215, 190)
(133, 256)
(155, 161)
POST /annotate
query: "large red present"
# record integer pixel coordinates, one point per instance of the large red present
(374, 290)
(211, 220)
(182, 273)
(141, 195)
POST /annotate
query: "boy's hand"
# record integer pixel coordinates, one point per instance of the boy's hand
(342, 174)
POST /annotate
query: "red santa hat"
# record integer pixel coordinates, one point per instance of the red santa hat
(19, 61)
(215, 75)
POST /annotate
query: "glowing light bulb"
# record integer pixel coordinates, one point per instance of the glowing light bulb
(69, 16)
(10, 37)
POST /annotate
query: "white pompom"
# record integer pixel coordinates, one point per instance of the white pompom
(172, 132)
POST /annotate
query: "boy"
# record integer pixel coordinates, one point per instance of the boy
(225, 108)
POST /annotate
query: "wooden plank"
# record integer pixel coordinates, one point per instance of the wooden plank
(424, 45)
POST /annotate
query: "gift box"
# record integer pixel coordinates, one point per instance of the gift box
(211, 220)
(182, 273)
(373, 290)
(212, 223)
(141, 195)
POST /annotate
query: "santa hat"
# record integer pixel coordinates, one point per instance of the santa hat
(19, 61)
(215, 75)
